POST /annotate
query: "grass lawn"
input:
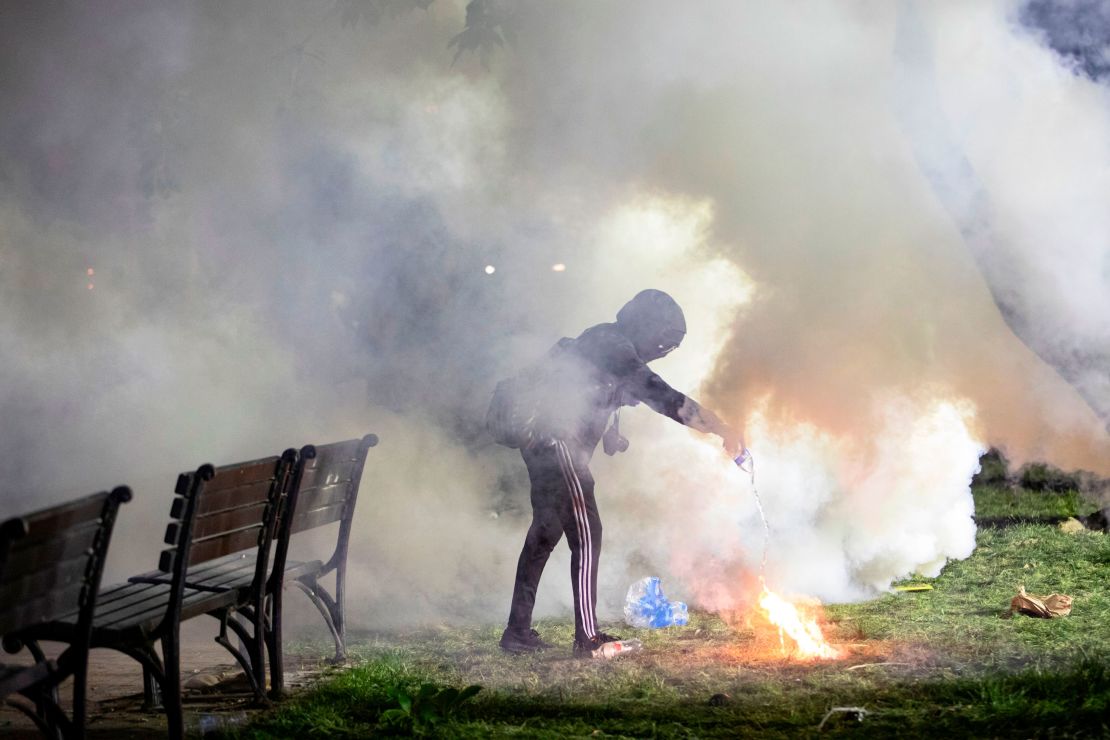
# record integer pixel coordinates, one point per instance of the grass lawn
(995, 502)
(946, 662)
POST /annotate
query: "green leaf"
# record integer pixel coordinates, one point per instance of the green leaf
(403, 699)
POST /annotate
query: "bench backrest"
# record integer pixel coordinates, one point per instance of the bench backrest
(324, 491)
(225, 510)
(51, 561)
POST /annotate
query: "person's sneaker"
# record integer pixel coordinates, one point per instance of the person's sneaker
(518, 642)
(584, 647)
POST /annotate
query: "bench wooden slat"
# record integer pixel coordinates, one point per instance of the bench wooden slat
(124, 597)
(212, 502)
(325, 476)
(240, 569)
(150, 608)
(315, 498)
(111, 597)
(317, 477)
(214, 524)
(50, 521)
(218, 565)
(242, 474)
(148, 616)
(28, 555)
(214, 547)
(121, 603)
(197, 603)
(317, 517)
(43, 608)
(118, 598)
(333, 463)
(54, 576)
(148, 611)
(202, 568)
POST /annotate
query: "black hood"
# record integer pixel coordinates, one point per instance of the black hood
(654, 323)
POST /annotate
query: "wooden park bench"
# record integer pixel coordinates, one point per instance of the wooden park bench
(222, 523)
(324, 491)
(50, 566)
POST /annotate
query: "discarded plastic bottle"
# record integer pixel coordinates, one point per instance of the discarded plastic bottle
(645, 606)
(617, 647)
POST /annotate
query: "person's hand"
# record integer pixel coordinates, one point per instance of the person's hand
(733, 441)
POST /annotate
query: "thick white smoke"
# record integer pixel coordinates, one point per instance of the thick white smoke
(288, 219)
(842, 521)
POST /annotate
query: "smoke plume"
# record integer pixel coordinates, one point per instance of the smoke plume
(230, 229)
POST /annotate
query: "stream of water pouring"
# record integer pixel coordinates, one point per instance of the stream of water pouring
(746, 458)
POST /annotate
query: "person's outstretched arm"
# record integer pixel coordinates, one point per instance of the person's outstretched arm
(646, 385)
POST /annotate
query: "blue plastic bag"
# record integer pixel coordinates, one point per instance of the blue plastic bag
(646, 606)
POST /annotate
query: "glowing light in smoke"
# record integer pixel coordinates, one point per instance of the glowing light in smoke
(803, 631)
(490, 269)
(558, 267)
(90, 272)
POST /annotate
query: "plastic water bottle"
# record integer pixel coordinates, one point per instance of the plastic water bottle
(645, 606)
(744, 460)
(617, 647)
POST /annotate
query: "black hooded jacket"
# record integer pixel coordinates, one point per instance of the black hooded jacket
(609, 367)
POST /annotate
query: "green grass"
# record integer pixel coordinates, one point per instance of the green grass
(1004, 501)
(965, 610)
(946, 662)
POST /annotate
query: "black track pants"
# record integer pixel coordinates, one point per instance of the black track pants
(562, 502)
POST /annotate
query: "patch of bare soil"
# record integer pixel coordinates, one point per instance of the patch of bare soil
(216, 692)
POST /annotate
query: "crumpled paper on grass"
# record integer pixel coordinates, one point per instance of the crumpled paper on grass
(1045, 607)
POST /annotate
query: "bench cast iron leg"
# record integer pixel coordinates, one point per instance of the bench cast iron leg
(171, 694)
(272, 625)
(35, 709)
(324, 603)
(43, 698)
(153, 673)
(252, 662)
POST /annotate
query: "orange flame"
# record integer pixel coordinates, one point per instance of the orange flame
(804, 631)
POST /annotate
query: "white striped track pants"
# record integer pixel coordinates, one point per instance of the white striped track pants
(562, 503)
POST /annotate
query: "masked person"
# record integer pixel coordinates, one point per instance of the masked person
(584, 381)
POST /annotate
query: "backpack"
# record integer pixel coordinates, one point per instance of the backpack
(520, 404)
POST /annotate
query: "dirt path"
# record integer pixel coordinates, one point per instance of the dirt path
(216, 692)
